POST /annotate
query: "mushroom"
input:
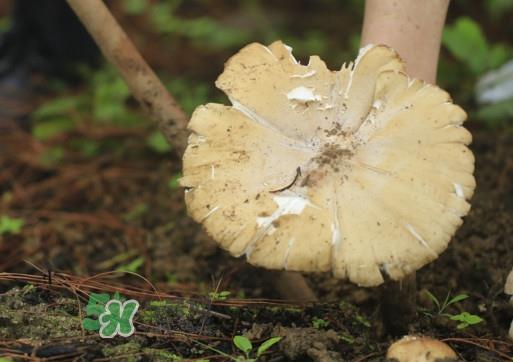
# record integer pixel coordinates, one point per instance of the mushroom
(420, 349)
(363, 172)
(508, 289)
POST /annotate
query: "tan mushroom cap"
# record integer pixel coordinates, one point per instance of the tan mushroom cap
(420, 349)
(362, 171)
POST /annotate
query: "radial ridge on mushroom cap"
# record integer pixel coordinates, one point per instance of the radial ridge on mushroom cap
(364, 171)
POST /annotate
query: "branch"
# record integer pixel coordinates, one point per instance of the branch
(140, 78)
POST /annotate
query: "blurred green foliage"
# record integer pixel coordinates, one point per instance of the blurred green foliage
(133, 266)
(498, 8)
(10, 225)
(221, 29)
(466, 42)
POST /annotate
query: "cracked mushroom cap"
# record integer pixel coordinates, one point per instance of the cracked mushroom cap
(362, 171)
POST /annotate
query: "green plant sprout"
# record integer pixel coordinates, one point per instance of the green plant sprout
(9, 225)
(445, 304)
(466, 319)
(319, 323)
(219, 296)
(245, 346)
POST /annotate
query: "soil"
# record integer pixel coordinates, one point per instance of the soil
(84, 217)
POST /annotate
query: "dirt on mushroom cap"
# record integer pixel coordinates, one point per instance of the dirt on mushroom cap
(363, 171)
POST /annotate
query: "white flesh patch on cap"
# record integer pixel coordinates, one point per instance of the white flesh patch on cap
(361, 53)
(378, 103)
(287, 204)
(306, 75)
(289, 246)
(289, 48)
(417, 236)
(303, 94)
(214, 209)
(252, 115)
(459, 190)
(269, 51)
(336, 236)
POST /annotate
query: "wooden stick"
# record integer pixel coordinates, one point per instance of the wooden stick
(140, 78)
(158, 102)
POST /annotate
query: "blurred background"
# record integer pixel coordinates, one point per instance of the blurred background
(88, 184)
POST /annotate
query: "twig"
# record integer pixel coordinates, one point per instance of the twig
(142, 81)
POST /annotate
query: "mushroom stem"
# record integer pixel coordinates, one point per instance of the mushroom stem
(140, 78)
(412, 27)
(293, 286)
(399, 305)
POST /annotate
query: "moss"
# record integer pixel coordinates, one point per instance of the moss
(128, 350)
(148, 316)
(20, 318)
(159, 355)
(292, 310)
(179, 308)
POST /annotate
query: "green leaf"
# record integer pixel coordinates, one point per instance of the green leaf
(96, 304)
(496, 114)
(87, 147)
(110, 94)
(319, 323)
(5, 25)
(50, 128)
(95, 309)
(9, 225)
(465, 40)
(118, 296)
(457, 299)
(56, 107)
(362, 320)
(135, 7)
(499, 54)
(136, 212)
(347, 338)
(433, 299)
(243, 344)
(465, 317)
(496, 8)
(133, 266)
(189, 94)
(91, 324)
(267, 344)
(52, 156)
(158, 142)
(174, 181)
(98, 298)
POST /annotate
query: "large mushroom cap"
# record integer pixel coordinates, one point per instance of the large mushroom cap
(362, 171)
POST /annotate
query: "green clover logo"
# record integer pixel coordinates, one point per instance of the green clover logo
(118, 318)
(115, 316)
